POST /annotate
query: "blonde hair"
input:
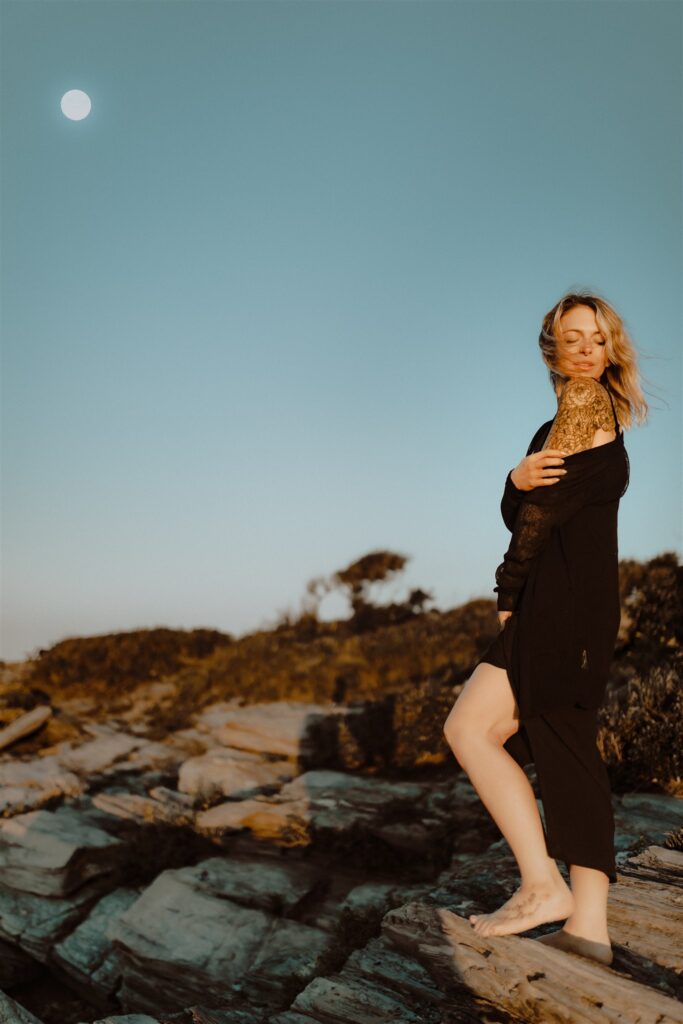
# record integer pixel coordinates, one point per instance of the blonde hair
(622, 371)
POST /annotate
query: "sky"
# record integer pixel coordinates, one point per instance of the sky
(275, 303)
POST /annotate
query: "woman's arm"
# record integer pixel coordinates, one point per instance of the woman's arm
(545, 507)
(510, 502)
(514, 495)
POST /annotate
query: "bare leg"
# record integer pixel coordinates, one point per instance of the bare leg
(585, 932)
(481, 720)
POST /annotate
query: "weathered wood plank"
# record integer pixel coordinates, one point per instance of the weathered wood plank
(542, 984)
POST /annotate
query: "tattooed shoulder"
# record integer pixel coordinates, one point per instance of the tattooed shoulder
(584, 408)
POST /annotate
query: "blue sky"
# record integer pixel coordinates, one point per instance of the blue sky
(275, 303)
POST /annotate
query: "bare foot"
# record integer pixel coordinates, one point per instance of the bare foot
(528, 907)
(517, 899)
(570, 943)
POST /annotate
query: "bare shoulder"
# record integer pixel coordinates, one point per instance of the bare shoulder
(583, 391)
(584, 415)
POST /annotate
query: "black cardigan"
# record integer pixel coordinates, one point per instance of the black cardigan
(560, 577)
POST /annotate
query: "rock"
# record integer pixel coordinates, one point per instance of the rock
(224, 772)
(190, 742)
(289, 1017)
(379, 964)
(36, 923)
(338, 1000)
(273, 887)
(286, 728)
(128, 1018)
(213, 716)
(335, 804)
(52, 853)
(15, 966)
(306, 733)
(27, 785)
(284, 824)
(184, 939)
(150, 757)
(369, 896)
(95, 756)
(379, 983)
(13, 1013)
(205, 1015)
(525, 978)
(87, 955)
(172, 796)
(645, 814)
(145, 809)
(24, 725)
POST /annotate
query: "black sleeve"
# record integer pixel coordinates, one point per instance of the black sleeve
(532, 529)
(513, 496)
(510, 502)
(541, 510)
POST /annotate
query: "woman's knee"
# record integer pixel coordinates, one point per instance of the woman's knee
(455, 728)
(464, 728)
(471, 722)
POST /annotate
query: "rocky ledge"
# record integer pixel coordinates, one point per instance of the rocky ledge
(252, 869)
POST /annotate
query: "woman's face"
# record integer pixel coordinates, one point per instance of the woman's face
(581, 347)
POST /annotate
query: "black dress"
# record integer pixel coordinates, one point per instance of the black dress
(560, 578)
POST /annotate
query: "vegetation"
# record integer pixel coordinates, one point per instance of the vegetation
(407, 659)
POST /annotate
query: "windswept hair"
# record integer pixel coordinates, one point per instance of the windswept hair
(622, 371)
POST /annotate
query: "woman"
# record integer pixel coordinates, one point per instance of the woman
(534, 694)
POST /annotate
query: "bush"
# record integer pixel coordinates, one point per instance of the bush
(641, 736)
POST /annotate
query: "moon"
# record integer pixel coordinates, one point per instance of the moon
(75, 104)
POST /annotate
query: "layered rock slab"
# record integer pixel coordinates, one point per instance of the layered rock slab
(52, 853)
(188, 939)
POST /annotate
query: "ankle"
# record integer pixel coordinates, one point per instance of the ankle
(543, 883)
(596, 931)
(550, 878)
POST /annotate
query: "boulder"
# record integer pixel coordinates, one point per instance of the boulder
(270, 886)
(52, 853)
(186, 938)
(13, 1013)
(87, 955)
(222, 772)
(165, 808)
(312, 735)
(96, 755)
(28, 785)
(645, 814)
(335, 804)
(128, 1018)
(16, 966)
(37, 923)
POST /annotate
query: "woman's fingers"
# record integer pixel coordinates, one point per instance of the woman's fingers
(545, 458)
(549, 466)
(541, 468)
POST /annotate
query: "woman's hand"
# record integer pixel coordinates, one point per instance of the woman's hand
(538, 469)
(502, 616)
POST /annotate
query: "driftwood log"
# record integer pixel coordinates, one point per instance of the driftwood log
(24, 725)
(538, 983)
